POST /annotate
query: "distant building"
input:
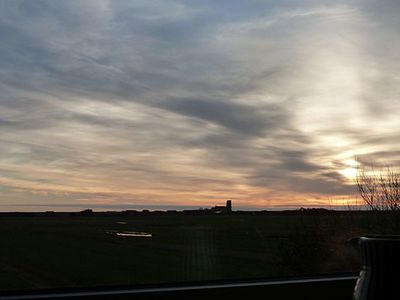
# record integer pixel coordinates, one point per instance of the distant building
(86, 212)
(219, 209)
(229, 206)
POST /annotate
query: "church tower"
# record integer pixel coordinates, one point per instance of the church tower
(229, 206)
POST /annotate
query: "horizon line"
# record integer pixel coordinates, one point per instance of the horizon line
(154, 207)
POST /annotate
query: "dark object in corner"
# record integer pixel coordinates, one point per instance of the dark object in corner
(380, 273)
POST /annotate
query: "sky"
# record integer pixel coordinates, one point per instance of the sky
(108, 104)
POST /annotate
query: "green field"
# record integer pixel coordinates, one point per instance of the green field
(41, 251)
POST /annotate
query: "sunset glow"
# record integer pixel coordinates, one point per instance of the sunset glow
(349, 173)
(123, 104)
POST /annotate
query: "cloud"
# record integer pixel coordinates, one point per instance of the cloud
(171, 101)
(241, 118)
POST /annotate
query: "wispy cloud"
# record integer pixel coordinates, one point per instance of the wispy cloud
(172, 102)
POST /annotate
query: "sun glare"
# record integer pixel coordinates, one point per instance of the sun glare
(349, 173)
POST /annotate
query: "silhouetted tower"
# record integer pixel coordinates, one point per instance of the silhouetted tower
(229, 206)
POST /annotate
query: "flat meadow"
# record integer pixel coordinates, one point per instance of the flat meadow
(61, 250)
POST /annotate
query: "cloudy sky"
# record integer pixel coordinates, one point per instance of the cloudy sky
(188, 103)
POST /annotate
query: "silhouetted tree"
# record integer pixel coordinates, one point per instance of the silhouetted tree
(380, 189)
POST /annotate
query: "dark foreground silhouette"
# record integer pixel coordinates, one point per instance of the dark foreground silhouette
(69, 249)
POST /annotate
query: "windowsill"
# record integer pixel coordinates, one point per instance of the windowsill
(337, 286)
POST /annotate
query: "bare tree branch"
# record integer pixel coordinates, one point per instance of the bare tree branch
(380, 190)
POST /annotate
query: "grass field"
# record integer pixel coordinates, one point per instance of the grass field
(41, 251)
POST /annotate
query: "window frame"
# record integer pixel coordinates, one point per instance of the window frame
(328, 287)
